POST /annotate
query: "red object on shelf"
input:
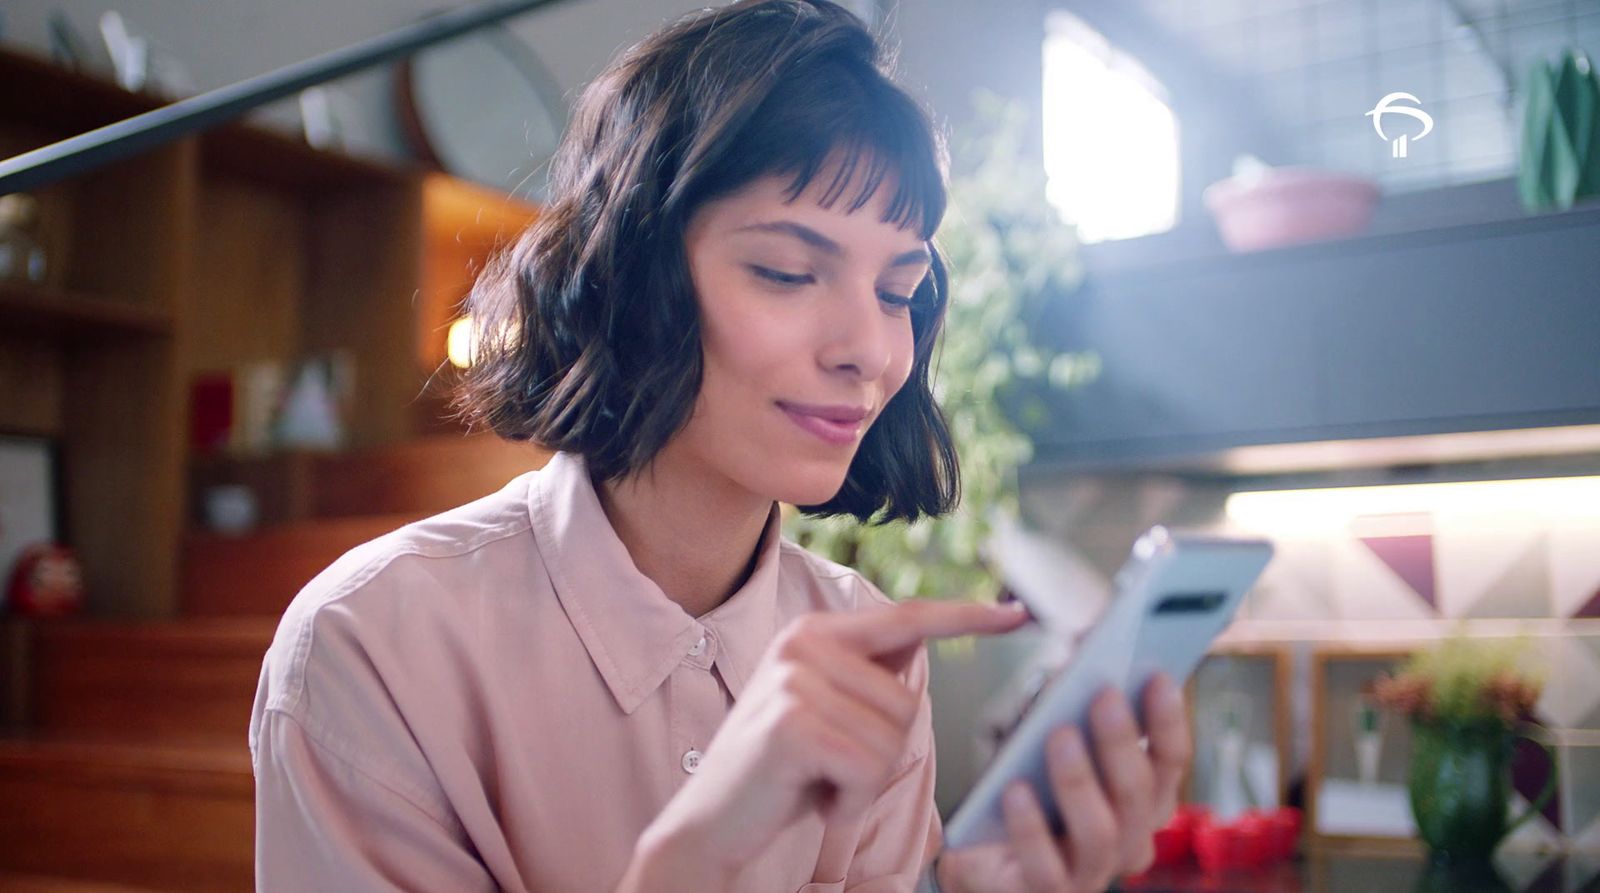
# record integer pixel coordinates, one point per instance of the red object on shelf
(1173, 842)
(1255, 841)
(46, 582)
(211, 412)
(1173, 845)
(1192, 814)
(1285, 822)
(1214, 845)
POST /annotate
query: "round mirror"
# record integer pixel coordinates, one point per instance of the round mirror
(483, 107)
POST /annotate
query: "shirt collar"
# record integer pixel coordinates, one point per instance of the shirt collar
(633, 633)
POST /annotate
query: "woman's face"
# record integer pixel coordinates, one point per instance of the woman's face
(805, 334)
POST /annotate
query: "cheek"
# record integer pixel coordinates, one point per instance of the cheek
(747, 345)
(900, 363)
(751, 354)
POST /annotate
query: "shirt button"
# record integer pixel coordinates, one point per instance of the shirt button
(691, 761)
(699, 648)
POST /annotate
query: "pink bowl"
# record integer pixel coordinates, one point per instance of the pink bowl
(1289, 206)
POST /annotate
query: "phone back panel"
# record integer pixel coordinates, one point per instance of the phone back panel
(1172, 599)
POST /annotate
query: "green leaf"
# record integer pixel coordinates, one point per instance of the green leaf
(1589, 107)
(1569, 131)
(1579, 109)
(1531, 183)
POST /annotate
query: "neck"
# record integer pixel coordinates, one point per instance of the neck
(695, 536)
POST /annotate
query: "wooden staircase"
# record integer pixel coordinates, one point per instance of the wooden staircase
(127, 767)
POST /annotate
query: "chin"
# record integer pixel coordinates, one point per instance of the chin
(810, 486)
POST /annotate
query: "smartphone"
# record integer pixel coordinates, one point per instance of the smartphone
(1169, 602)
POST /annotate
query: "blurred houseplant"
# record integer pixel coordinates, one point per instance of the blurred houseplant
(1010, 256)
(1560, 159)
(1468, 701)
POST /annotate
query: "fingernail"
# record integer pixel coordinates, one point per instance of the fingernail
(1111, 712)
(1167, 695)
(1008, 612)
(1069, 746)
(1017, 798)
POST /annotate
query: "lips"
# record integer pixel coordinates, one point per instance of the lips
(835, 425)
(837, 412)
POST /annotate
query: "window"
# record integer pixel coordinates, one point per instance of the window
(1110, 139)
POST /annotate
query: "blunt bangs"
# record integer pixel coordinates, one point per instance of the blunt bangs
(832, 109)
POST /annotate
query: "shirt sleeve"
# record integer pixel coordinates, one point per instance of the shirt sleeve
(325, 823)
(346, 799)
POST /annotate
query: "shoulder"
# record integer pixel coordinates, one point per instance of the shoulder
(838, 587)
(391, 593)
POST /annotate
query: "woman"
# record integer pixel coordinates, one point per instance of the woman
(614, 674)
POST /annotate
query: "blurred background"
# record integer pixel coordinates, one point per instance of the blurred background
(1323, 271)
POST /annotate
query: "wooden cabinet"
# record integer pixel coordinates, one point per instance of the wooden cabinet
(220, 249)
(92, 358)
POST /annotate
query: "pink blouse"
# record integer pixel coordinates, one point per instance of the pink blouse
(496, 698)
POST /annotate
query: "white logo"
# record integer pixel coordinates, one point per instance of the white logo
(1378, 111)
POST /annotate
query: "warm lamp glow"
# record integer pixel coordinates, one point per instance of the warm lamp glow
(459, 342)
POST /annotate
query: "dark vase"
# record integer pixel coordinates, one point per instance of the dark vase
(1452, 878)
(1460, 786)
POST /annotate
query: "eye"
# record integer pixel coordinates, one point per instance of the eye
(793, 280)
(781, 278)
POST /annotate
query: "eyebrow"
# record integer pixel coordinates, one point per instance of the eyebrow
(806, 234)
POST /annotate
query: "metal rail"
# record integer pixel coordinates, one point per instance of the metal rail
(87, 151)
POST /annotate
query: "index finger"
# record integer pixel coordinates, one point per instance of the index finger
(903, 625)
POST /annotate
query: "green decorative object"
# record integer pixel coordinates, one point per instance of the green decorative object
(1460, 785)
(1468, 701)
(1010, 255)
(1560, 161)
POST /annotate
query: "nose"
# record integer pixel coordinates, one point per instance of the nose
(859, 335)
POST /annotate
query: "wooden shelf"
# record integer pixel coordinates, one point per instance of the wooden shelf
(29, 308)
(229, 248)
(423, 475)
(220, 250)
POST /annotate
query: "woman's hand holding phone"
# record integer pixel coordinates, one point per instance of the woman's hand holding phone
(819, 728)
(1110, 815)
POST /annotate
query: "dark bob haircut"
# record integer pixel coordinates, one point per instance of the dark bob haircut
(587, 328)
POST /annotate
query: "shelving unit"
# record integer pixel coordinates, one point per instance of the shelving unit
(65, 314)
(121, 733)
(234, 246)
